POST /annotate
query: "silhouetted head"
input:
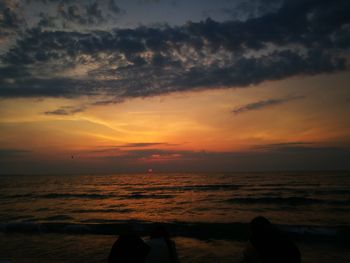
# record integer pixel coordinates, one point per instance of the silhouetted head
(260, 226)
(159, 231)
(271, 244)
(128, 248)
(259, 222)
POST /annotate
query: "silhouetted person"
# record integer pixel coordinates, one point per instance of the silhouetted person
(268, 245)
(128, 248)
(163, 249)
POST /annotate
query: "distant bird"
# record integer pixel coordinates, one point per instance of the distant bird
(72, 157)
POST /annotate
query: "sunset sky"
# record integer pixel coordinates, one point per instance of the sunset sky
(174, 85)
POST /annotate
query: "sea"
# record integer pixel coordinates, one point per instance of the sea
(77, 218)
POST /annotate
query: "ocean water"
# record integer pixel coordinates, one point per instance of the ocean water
(43, 218)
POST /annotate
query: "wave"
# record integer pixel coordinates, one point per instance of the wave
(286, 201)
(59, 218)
(60, 196)
(331, 192)
(107, 210)
(138, 195)
(135, 195)
(200, 187)
(200, 230)
(204, 187)
(69, 196)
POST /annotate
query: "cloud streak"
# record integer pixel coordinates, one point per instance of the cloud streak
(66, 110)
(276, 146)
(6, 153)
(262, 104)
(143, 144)
(279, 156)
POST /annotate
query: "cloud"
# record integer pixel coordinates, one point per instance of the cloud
(66, 110)
(70, 14)
(300, 38)
(262, 104)
(10, 19)
(303, 148)
(12, 153)
(46, 20)
(108, 101)
(245, 9)
(279, 156)
(142, 144)
(71, 110)
(149, 1)
(113, 7)
(94, 12)
(147, 154)
(283, 145)
(89, 14)
(129, 148)
(300, 156)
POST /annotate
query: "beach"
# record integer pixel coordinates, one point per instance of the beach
(91, 248)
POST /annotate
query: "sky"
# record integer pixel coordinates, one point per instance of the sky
(115, 86)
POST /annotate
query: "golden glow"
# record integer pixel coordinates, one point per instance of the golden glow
(192, 121)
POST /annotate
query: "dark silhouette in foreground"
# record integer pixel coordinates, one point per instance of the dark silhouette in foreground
(162, 247)
(131, 248)
(268, 245)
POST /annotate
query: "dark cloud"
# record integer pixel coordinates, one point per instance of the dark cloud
(289, 157)
(264, 104)
(113, 7)
(71, 110)
(46, 20)
(51, 1)
(143, 144)
(12, 153)
(149, 1)
(86, 13)
(303, 148)
(131, 150)
(277, 146)
(8, 16)
(101, 102)
(300, 38)
(72, 13)
(148, 154)
(10, 20)
(245, 9)
(94, 12)
(281, 156)
(65, 110)
(255, 8)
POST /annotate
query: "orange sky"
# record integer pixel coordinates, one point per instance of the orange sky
(125, 86)
(180, 122)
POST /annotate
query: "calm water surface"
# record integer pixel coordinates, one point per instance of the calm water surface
(286, 198)
(40, 216)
